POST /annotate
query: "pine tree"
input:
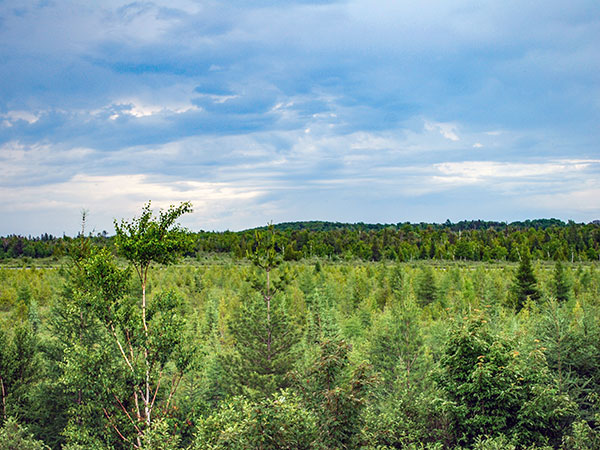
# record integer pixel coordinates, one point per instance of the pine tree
(525, 283)
(395, 344)
(561, 284)
(426, 287)
(336, 393)
(264, 336)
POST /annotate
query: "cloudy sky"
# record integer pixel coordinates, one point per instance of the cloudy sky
(259, 111)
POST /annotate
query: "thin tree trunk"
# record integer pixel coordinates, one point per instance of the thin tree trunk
(268, 299)
(3, 398)
(146, 397)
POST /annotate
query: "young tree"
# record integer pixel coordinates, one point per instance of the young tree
(15, 437)
(395, 345)
(336, 394)
(525, 283)
(20, 371)
(143, 241)
(264, 335)
(148, 335)
(494, 390)
(560, 283)
(426, 289)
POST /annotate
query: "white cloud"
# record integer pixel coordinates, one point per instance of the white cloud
(581, 200)
(477, 145)
(13, 116)
(446, 129)
(109, 197)
(511, 176)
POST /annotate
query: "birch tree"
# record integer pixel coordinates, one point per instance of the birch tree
(147, 334)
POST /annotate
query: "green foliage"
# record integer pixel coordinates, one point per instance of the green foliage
(582, 437)
(395, 345)
(15, 437)
(264, 336)
(206, 322)
(148, 335)
(278, 422)
(570, 337)
(336, 394)
(264, 346)
(525, 284)
(499, 442)
(426, 290)
(147, 239)
(492, 389)
(560, 283)
(159, 437)
(20, 371)
(406, 417)
(548, 239)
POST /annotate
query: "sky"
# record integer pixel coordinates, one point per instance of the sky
(380, 111)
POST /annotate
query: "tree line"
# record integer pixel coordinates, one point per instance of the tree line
(545, 239)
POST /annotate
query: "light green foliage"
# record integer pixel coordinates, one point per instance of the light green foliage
(20, 371)
(279, 422)
(499, 442)
(264, 336)
(148, 334)
(428, 388)
(15, 437)
(264, 348)
(395, 344)
(83, 436)
(570, 336)
(582, 437)
(147, 239)
(159, 437)
(426, 289)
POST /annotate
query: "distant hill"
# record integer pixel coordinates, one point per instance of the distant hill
(318, 225)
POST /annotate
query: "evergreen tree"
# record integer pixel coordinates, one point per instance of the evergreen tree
(395, 345)
(561, 285)
(336, 394)
(20, 372)
(493, 390)
(265, 341)
(426, 287)
(525, 283)
(320, 318)
(264, 336)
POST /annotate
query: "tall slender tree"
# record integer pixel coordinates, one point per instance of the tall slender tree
(143, 241)
(265, 337)
(148, 335)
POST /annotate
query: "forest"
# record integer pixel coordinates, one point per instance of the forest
(307, 335)
(544, 239)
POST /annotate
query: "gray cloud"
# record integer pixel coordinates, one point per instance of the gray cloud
(308, 104)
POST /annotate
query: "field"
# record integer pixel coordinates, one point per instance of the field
(327, 355)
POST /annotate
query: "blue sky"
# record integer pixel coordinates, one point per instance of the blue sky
(373, 111)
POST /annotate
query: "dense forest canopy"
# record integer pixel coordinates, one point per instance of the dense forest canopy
(546, 239)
